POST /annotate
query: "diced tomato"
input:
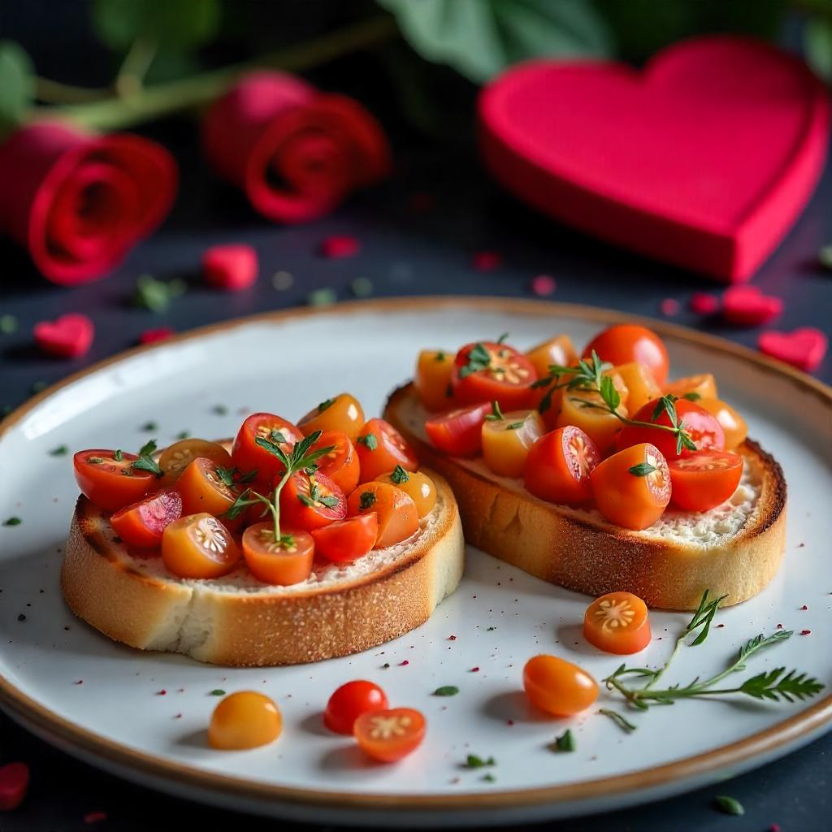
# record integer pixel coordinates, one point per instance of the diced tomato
(351, 701)
(341, 464)
(507, 438)
(617, 622)
(487, 371)
(249, 456)
(199, 546)
(206, 487)
(342, 413)
(459, 432)
(142, 523)
(705, 479)
(559, 465)
(398, 518)
(109, 479)
(390, 735)
(433, 379)
(381, 448)
(280, 562)
(558, 687)
(418, 486)
(309, 501)
(347, 540)
(624, 343)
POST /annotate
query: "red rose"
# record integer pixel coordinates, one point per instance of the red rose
(79, 202)
(295, 152)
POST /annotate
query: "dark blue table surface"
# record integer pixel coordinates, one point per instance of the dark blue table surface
(403, 253)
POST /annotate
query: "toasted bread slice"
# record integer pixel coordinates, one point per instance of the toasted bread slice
(734, 549)
(236, 620)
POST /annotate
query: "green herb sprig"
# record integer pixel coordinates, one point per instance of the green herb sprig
(146, 462)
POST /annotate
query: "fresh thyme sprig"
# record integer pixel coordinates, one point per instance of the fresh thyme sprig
(146, 462)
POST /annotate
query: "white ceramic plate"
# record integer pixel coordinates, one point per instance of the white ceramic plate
(285, 363)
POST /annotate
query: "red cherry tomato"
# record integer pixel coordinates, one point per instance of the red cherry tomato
(617, 623)
(341, 464)
(309, 501)
(142, 524)
(559, 465)
(347, 540)
(627, 342)
(398, 517)
(486, 371)
(381, 448)
(459, 432)
(702, 427)
(108, 478)
(388, 736)
(249, 456)
(705, 479)
(349, 702)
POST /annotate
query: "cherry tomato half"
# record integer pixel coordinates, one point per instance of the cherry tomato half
(142, 524)
(347, 540)
(381, 448)
(617, 623)
(390, 735)
(342, 413)
(341, 464)
(199, 546)
(418, 486)
(705, 479)
(398, 518)
(559, 350)
(558, 687)
(506, 441)
(178, 456)
(242, 720)
(732, 423)
(640, 384)
(204, 489)
(249, 456)
(433, 379)
(624, 343)
(108, 478)
(559, 465)
(309, 501)
(349, 702)
(488, 372)
(285, 562)
(698, 387)
(578, 408)
(632, 488)
(458, 432)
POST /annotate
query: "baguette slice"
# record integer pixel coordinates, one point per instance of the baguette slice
(238, 621)
(734, 549)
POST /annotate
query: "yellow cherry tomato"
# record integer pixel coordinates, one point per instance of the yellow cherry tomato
(343, 413)
(599, 425)
(558, 687)
(420, 487)
(703, 385)
(199, 546)
(558, 350)
(244, 720)
(641, 385)
(617, 622)
(733, 425)
(433, 379)
(506, 441)
(177, 457)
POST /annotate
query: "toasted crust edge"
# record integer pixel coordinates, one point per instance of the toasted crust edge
(596, 558)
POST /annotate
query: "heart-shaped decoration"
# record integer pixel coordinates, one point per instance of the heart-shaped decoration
(70, 336)
(703, 160)
(748, 306)
(803, 348)
(230, 267)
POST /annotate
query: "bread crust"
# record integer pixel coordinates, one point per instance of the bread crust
(244, 629)
(596, 557)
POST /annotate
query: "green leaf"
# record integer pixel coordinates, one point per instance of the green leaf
(624, 724)
(446, 690)
(609, 394)
(17, 85)
(565, 742)
(474, 761)
(642, 469)
(369, 441)
(825, 257)
(60, 450)
(480, 38)
(176, 25)
(217, 692)
(729, 805)
(817, 44)
(12, 521)
(399, 475)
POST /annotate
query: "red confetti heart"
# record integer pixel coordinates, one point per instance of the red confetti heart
(748, 306)
(14, 782)
(487, 261)
(230, 267)
(543, 285)
(804, 348)
(704, 304)
(70, 336)
(151, 336)
(342, 246)
(669, 307)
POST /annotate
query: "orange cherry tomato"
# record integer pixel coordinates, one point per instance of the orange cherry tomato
(506, 441)
(344, 541)
(249, 456)
(732, 424)
(309, 501)
(698, 387)
(624, 343)
(458, 432)
(433, 379)
(351, 701)
(341, 464)
(142, 524)
(204, 489)
(390, 735)
(488, 372)
(381, 448)
(244, 720)
(702, 427)
(640, 384)
(559, 465)
(558, 687)
(398, 518)
(177, 457)
(284, 562)
(705, 479)
(559, 350)
(342, 413)
(108, 478)
(632, 488)
(418, 486)
(199, 546)
(601, 426)
(617, 623)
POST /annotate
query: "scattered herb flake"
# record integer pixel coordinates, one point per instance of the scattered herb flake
(488, 778)
(150, 426)
(728, 805)
(219, 410)
(322, 297)
(183, 434)
(624, 724)
(642, 469)
(60, 450)
(8, 324)
(39, 386)
(825, 256)
(565, 742)
(12, 521)
(475, 761)
(399, 475)
(157, 295)
(446, 690)
(370, 441)
(217, 692)
(362, 287)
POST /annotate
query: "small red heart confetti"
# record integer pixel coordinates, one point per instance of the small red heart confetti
(803, 348)
(487, 261)
(704, 304)
(69, 336)
(669, 307)
(543, 285)
(340, 246)
(231, 267)
(14, 782)
(748, 306)
(151, 336)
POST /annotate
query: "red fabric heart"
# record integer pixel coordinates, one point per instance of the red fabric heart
(803, 348)
(70, 336)
(230, 267)
(704, 159)
(703, 304)
(748, 306)
(340, 246)
(14, 783)
(151, 336)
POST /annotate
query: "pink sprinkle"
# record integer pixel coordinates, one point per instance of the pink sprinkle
(161, 692)
(669, 307)
(779, 626)
(451, 638)
(95, 817)
(177, 716)
(719, 625)
(801, 545)
(151, 336)
(775, 827)
(487, 261)
(404, 663)
(340, 246)
(79, 682)
(804, 607)
(805, 632)
(543, 285)
(704, 304)
(474, 670)
(509, 722)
